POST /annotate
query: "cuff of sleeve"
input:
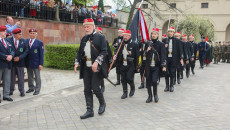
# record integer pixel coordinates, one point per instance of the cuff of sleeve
(76, 62)
(99, 59)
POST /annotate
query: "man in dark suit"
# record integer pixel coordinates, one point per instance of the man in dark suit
(91, 56)
(174, 56)
(195, 47)
(6, 56)
(129, 55)
(21, 50)
(34, 62)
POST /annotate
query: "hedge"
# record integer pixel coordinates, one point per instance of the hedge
(62, 56)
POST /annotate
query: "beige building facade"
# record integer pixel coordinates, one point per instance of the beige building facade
(218, 11)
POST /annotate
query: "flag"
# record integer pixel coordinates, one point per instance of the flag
(143, 28)
(133, 27)
(95, 6)
(206, 38)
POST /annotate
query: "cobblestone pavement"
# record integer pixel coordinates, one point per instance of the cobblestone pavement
(200, 102)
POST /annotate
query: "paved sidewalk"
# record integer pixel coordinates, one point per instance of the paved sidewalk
(200, 102)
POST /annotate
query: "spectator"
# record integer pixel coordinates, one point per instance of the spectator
(75, 14)
(10, 26)
(83, 11)
(88, 14)
(99, 16)
(33, 8)
(67, 7)
(94, 15)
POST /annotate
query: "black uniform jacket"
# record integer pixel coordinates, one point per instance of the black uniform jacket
(100, 44)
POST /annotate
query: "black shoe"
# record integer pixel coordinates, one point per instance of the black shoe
(178, 81)
(8, 99)
(150, 99)
(124, 95)
(156, 99)
(87, 115)
(36, 93)
(187, 74)
(131, 93)
(22, 94)
(171, 88)
(101, 109)
(11, 93)
(141, 86)
(29, 91)
(193, 72)
(166, 89)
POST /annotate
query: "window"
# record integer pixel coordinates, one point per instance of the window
(145, 6)
(173, 5)
(204, 5)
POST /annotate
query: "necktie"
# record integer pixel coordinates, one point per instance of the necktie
(30, 43)
(4, 43)
(16, 44)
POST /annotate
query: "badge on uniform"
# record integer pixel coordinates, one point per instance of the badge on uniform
(21, 49)
(35, 51)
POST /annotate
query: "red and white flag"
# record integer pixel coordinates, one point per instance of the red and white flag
(143, 27)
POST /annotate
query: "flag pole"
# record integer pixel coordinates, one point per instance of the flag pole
(169, 21)
(141, 4)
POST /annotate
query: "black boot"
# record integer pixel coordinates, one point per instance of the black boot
(89, 105)
(101, 100)
(102, 86)
(150, 98)
(132, 86)
(167, 84)
(171, 85)
(118, 79)
(124, 85)
(178, 78)
(156, 99)
(174, 82)
(141, 86)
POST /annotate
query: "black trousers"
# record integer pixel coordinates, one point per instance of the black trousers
(193, 63)
(152, 75)
(92, 81)
(127, 74)
(171, 69)
(202, 58)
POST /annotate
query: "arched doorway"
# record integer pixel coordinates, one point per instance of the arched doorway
(227, 35)
(165, 26)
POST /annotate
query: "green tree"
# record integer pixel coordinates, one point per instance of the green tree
(101, 4)
(196, 25)
(85, 2)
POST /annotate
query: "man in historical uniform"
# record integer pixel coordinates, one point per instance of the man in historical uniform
(108, 59)
(202, 47)
(179, 70)
(216, 50)
(142, 51)
(194, 46)
(34, 62)
(155, 59)
(190, 54)
(224, 52)
(115, 44)
(21, 50)
(91, 58)
(129, 55)
(228, 52)
(6, 56)
(174, 57)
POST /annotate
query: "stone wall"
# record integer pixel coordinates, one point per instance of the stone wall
(52, 32)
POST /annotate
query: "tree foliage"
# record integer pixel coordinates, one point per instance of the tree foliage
(101, 4)
(196, 25)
